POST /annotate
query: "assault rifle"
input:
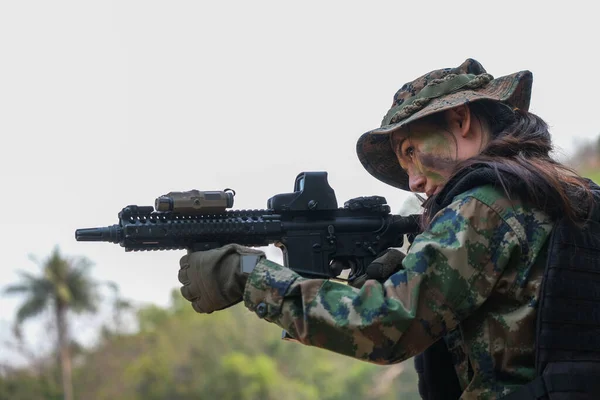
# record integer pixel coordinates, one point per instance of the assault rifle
(306, 225)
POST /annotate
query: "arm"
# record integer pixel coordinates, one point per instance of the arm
(448, 273)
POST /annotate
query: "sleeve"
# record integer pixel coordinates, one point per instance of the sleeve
(449, 271)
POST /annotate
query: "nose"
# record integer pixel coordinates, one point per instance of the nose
(417, 183)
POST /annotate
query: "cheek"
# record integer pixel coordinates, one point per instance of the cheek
(411, 168)
(435, 169)
(438, 144)
(434, 176)
(436, 162)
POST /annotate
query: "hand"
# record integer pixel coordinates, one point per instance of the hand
(213, 280)
(381, 268)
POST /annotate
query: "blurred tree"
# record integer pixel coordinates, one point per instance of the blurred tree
(121, 310)
(178, 354)
(25, 384)
(63, 285)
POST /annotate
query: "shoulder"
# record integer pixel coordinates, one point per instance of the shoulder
(488, 207)
(488, 195)
(477, 216)
(464, 250)
(480, 206)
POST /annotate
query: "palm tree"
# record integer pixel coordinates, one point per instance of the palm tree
(64, 285)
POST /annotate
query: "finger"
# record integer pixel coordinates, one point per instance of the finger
(390, 269)
(359, 282)
(184, 261)
(182, 276)
(375, 270)
(188, 293)
(197, 306)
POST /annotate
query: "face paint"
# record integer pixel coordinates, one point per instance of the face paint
(427, 151)
(436, 163)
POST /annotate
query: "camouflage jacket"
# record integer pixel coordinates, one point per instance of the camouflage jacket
(473, 277)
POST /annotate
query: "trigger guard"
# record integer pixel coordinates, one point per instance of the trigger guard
(356, 272)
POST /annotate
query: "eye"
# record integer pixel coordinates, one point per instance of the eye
(409, 151)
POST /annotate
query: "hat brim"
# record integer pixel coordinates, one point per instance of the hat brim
(375, 151)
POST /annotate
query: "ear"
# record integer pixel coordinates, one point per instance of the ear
(458, 120)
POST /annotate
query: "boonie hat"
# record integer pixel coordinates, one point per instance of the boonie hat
(431, 93)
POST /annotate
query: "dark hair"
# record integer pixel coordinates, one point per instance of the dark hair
(520, 147)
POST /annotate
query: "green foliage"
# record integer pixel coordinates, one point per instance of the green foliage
(177, 354)
(25, 385)
(61, 281)
(63, 285)
(231, 354)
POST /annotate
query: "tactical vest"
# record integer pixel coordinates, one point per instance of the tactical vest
(568, 321)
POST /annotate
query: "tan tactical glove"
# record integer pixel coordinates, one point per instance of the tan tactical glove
(381, 268)
(215, 279)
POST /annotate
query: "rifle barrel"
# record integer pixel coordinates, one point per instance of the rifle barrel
(111, 234)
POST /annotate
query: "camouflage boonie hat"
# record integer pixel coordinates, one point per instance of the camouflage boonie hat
(433, 92)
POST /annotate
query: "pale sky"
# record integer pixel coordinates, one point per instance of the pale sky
(110, 103)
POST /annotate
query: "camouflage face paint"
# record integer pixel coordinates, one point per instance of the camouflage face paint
(427, 150)
(432, 163)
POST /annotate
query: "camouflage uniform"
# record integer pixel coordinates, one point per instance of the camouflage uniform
(480, 247)
(473, 277)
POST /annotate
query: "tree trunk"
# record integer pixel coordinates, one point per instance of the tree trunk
(63, 349)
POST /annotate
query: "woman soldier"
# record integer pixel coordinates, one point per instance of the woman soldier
(504, 271)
